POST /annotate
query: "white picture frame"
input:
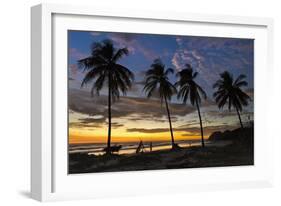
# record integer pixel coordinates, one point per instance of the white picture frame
(50, 181)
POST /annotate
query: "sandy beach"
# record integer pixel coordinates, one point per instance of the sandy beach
(234, 154)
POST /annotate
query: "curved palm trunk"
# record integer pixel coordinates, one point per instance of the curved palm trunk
(199, 114)
(170, 123)
(108, 151)
(239, 118)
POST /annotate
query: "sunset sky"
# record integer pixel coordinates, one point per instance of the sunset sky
(134, 117)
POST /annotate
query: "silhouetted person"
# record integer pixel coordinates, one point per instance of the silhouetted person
(140, 148)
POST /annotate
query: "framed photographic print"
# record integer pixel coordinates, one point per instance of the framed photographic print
(133, 102)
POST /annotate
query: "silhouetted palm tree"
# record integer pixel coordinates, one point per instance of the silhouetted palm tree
(229, 92)
(103, 70)
(189, 89)
(157, 80)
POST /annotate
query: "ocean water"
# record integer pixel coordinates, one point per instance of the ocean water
(130, 148)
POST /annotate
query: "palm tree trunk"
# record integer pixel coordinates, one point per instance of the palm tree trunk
(239, 118)
(199, 114)
(170, 123)
(108, 151)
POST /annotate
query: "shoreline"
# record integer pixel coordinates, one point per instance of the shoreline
(192, 157)
(239, 152)
(130, 148)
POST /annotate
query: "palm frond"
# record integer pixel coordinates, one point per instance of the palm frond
(201, 92)
(157, 78)
(229, 91)
(98, 85)
(92, 74)
(169, 71)
(125, 72)
(119, 54)
(218, 84)
(102, 64)
(241, 84)
(188, 88)
(222, 101)
(194, 75)
(90, 62)
(239, 78)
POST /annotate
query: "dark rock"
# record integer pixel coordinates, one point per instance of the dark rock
(237, 135)
(215, 136)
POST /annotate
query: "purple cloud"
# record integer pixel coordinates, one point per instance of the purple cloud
(211, 56)
(95, 33)
(130, 41)
(76, 54)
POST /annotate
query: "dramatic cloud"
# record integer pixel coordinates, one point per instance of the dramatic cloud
(190, 130)
(81, 101)
(143, 130)
(224, 113)
(211, 56)
(93, 122)
(140, 109)
(208, 129)
(82, 125)
(116, 125)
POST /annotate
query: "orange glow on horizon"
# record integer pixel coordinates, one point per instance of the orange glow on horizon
(156, 137)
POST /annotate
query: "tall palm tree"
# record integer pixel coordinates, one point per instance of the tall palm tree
(189, 89)
(104, 71)
(229, 92)
(157, 80)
